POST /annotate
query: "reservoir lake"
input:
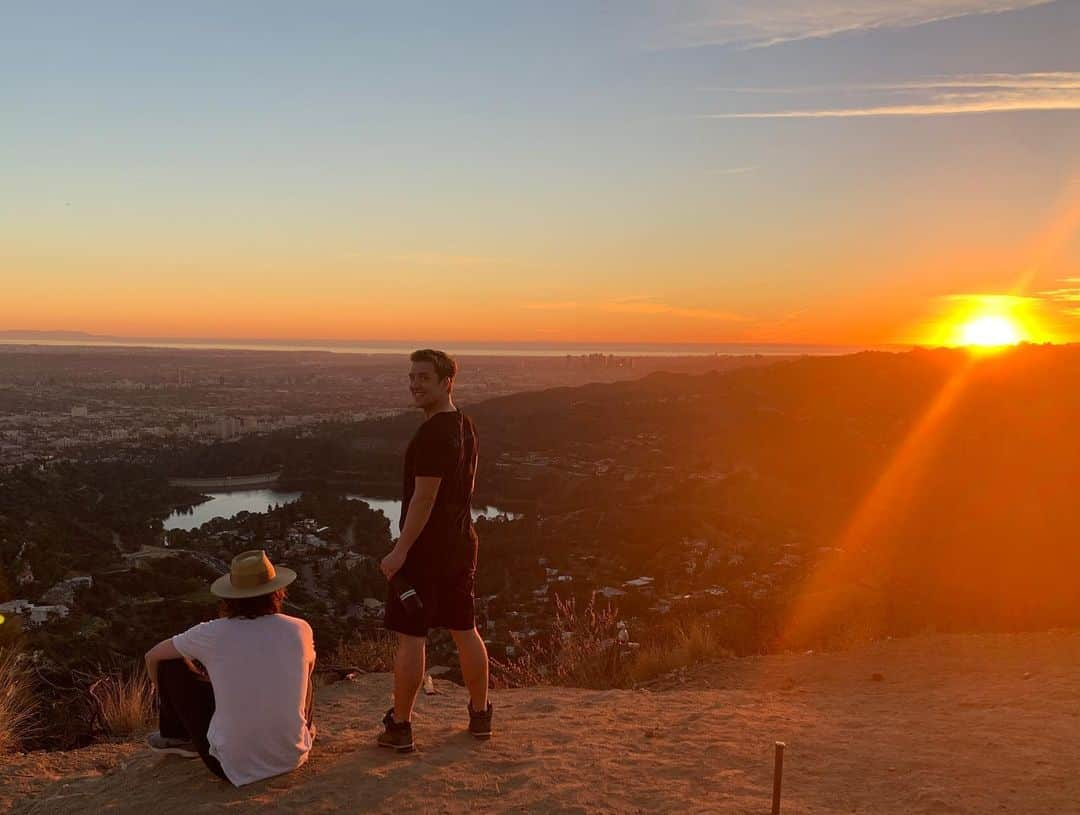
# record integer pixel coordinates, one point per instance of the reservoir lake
(228, 504)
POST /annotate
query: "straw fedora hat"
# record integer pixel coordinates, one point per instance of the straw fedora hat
(250, 575)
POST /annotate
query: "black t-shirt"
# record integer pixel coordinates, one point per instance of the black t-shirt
(444, 446)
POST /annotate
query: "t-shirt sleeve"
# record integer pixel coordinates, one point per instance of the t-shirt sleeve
(438, 450)
(197, 642)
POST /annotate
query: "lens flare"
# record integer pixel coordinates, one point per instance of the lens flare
(992, 331)
(986, 323)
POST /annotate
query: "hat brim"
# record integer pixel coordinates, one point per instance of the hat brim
(223, 587)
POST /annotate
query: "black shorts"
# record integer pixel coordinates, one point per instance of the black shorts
(448, 603)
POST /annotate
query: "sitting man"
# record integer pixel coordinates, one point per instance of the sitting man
(236, 691)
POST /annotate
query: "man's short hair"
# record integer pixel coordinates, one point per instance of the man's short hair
(444, 364)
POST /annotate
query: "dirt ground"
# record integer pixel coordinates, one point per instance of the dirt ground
(937, 724)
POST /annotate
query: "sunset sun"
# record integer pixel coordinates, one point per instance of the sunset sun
(987, 323)
(990, 332)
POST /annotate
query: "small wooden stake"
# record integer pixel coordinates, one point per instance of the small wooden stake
(778, 775)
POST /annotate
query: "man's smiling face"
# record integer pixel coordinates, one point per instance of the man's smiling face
(425, 386)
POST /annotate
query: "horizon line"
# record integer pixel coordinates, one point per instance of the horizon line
(59, 338)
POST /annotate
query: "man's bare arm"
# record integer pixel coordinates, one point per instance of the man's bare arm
(420, 506)
(163, 650)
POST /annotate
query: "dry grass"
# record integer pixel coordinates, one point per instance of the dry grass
(583, 652)
(125, 705)
(16, 702)
(371, 653)
(684, 644)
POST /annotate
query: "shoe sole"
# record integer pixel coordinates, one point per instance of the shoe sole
(175, 751)
(399, 748)
(481, 736)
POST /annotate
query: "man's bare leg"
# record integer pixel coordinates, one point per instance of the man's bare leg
(408, 675)
(474, 666)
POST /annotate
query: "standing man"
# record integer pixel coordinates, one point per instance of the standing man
(435, 553)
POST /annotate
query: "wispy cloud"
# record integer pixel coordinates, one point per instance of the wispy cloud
(734, 170)
(775, 329)
(765, 23)
(937, 96)
(642, 307)
(1065, 80)
(1068, 295)
(638, 305)
(451, 260)
(558, 305)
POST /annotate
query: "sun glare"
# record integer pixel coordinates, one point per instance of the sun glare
(986, 323)
(990, 332)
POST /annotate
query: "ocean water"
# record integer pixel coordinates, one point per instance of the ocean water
(459, 349)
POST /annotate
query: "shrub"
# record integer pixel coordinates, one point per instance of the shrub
(125, 705)
(682, 644)
(583, 651)
(17, 708)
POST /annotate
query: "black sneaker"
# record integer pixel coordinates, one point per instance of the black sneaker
(480, 723)
(397, 735)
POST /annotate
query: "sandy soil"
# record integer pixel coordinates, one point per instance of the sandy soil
(951, 724)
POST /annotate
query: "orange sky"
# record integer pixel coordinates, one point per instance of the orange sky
(571, 295)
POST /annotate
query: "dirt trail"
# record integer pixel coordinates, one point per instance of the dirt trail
(951, 724)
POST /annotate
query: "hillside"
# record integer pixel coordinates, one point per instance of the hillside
(942, 485)
(810, 503)
(953, 724)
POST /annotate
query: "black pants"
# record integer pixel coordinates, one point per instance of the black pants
(186, 706)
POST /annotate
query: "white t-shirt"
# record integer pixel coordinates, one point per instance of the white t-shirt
(260, 672)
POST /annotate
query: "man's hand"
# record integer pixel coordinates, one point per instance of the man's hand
(393, 562)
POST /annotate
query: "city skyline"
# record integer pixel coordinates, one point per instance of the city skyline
(708, 173)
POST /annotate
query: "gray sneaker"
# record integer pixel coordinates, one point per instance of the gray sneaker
(177, 747)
